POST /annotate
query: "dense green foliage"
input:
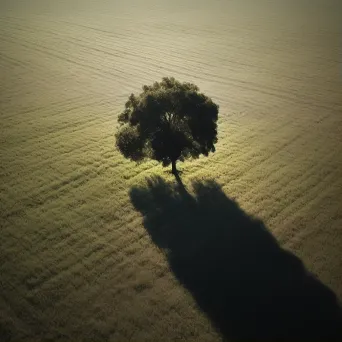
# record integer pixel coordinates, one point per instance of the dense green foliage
(168, 121)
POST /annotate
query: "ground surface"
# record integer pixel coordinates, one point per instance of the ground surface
(75, 258)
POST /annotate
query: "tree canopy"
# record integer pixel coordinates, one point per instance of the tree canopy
(168, 121)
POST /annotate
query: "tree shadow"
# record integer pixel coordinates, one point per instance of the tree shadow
(250, 288)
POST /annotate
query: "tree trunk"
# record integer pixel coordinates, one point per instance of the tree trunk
(174, 168)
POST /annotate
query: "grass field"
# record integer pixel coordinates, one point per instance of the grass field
(81, 256)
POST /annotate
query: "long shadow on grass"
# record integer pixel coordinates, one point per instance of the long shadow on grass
(251, 288)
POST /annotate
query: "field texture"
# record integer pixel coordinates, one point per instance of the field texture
(81, 256)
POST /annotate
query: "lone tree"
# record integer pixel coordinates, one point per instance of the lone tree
(168, 121)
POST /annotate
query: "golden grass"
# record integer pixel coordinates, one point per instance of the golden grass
(75, 259)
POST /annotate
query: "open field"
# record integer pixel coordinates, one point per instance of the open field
(79, 255)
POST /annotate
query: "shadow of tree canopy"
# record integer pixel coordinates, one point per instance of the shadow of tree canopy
(250, 288)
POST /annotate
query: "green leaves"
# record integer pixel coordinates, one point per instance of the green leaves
(130, 143)
(169, 120)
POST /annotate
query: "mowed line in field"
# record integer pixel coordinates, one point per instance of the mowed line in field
(292, 96)
(41, 49)
(136, 55)
(54, 107)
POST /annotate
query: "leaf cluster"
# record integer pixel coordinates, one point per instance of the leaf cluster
(168, 121)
